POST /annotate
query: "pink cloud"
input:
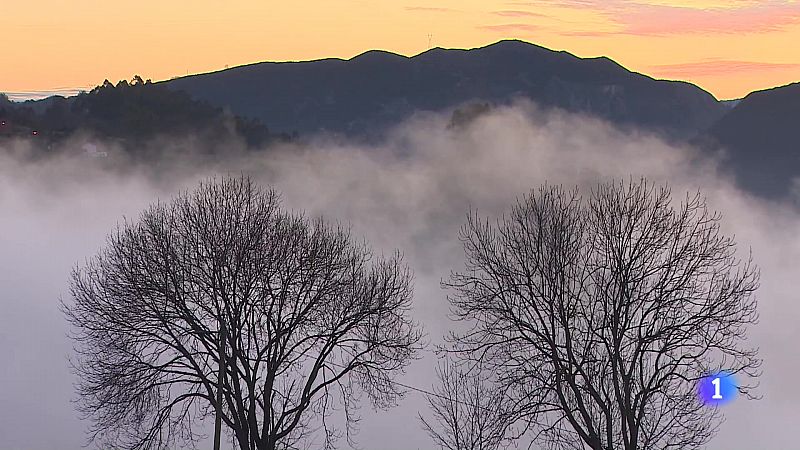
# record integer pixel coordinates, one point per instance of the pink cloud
(517, 13)
(641, 18)
(717, 67)
(663, 20)
(568, 4)
(511, 28)
(428, 9)
(616, 5)
(587, 33)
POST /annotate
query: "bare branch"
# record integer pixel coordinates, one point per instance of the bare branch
(600, 315)
(310, 316)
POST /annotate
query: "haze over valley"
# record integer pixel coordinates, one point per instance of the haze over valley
(401, 150)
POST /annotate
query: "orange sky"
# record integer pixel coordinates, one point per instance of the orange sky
(727, 47)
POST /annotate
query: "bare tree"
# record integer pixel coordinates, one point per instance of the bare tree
(222, 287)
(467, 409)
(601, 314)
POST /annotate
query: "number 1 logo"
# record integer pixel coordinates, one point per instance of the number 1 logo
(716, 383)
(716, 389)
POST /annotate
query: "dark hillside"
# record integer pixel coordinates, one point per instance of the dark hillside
(761, 139)
(376, 89)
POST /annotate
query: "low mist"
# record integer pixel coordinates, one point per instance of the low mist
(410, 192)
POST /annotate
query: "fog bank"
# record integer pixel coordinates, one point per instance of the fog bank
(410, 192)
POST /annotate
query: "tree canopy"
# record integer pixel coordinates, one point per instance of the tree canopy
(222, 302)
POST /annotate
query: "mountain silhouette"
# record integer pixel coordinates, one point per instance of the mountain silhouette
(363, 96)
(760, 140)
(132, 113)
(376, 89)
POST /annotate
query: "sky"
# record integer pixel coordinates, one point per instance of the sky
(404, 193)
(728, 47)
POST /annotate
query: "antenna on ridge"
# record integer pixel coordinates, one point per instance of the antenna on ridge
(430, 40)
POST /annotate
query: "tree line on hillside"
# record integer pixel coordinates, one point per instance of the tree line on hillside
(133, 113)
(590, 319)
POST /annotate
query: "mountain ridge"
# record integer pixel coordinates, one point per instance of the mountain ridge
(760, 140)
(377, 88)
(368, 93)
